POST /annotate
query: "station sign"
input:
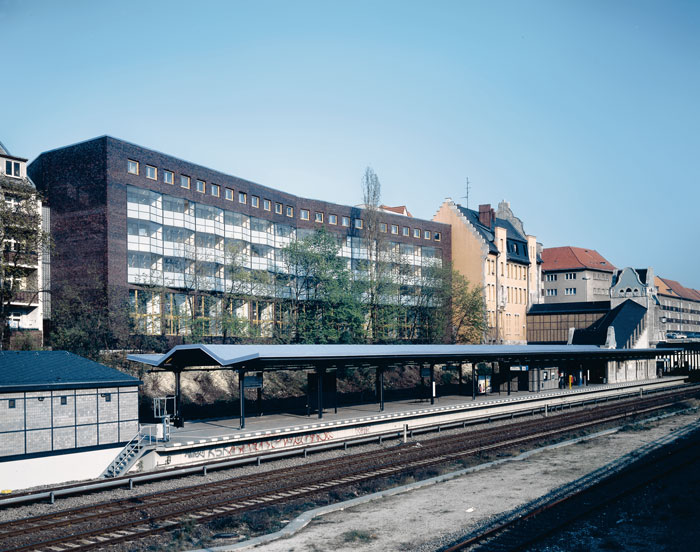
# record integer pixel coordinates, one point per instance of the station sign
(424, 372)
(253, 382)
(521, 368)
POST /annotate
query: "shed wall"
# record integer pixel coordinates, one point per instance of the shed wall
(52, 421)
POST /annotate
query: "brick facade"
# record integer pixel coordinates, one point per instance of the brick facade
(86, 187)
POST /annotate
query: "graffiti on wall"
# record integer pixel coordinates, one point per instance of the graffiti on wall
(260, 446)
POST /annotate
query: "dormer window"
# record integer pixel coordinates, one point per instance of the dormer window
(12, 168)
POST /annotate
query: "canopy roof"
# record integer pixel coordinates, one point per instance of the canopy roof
(284, 357)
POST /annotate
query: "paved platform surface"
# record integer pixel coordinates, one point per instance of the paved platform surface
(201, 431)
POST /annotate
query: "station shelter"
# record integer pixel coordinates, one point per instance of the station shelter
(507, 367)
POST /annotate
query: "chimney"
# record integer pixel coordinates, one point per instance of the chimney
(486, 215)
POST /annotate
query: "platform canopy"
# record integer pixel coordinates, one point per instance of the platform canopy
(285, 357)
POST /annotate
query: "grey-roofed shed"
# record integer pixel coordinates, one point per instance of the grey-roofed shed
(261, 358)
(55, 401)
(43, 370)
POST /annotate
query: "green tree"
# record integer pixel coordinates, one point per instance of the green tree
(323, 302)
(83, 323)
(468, 311)
(241, 285)
(21, 242)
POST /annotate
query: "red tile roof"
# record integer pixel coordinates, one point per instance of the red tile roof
(676, 289)
(400, 209)
(571, 258)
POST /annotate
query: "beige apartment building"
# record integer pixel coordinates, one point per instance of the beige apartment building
(491, 249)
(574, 275)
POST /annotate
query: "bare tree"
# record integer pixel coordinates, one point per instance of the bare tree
(371, 197)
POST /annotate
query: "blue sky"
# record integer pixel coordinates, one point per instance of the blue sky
(584, 115)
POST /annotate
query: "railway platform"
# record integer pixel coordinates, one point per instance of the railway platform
(218, 439)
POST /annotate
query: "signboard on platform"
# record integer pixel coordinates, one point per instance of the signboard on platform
(424, 372)
(521, 368)
(484, 384)
(253, 382)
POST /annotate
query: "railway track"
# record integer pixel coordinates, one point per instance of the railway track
(108, 523)
(530, 526)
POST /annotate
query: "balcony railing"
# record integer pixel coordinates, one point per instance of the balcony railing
(20, 259)
(30, 298)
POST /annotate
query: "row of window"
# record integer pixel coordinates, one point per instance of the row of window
(553, 277)
(12, 403)
(288, 210)
(553, 292)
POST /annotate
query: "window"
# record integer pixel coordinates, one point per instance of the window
(201, 186)
(131, 166)
(289, 211)
(437, 236)
(168, 177)
(242, 197)
(318, 217)
(184, 181)
(570, 275)
(332, 219)
(570, 291)
(426, 234)
(64, 400)
(416, 232)
(551, 277)
(278, 208)
(214, 189)
(267, 204)
(358, 223)
(255, 201)
(382, 227)
(405, 231)
(345, 221)
(228, 194)
(395, 229)
(304, 214)
(151, 172)
(12, 168)
(11, 403)
(551, 292)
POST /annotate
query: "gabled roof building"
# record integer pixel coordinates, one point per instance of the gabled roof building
(492, 250)
(678, 314)
(575, 275)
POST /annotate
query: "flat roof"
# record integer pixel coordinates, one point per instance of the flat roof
(283, 357)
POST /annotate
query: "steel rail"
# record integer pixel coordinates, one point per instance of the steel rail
(168, 473)
(360, 474)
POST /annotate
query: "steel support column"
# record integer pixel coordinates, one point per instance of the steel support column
(473, 381)
(320, 372)
(178, 421)
(380, 387)
(241, 396)
(432, 384)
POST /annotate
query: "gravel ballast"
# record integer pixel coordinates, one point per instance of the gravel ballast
(432, 517)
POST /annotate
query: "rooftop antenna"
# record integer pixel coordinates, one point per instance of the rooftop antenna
(468, 187)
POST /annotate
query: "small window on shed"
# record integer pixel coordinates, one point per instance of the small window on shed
(12, 403)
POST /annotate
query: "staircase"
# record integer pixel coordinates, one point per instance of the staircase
(133, 450)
